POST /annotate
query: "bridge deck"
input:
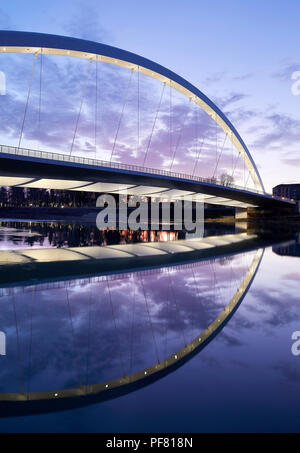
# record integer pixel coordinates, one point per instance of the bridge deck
(42, 169)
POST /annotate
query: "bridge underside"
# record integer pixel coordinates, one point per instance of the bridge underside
(33, 172)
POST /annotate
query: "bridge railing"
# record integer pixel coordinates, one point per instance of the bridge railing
(118, 165)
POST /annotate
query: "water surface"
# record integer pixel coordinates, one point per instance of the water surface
(82, 331)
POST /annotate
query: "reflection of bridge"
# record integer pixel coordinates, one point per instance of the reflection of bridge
(23, 403)
(29, 168)
(27, 266)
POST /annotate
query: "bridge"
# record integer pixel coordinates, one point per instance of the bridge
(39, 168)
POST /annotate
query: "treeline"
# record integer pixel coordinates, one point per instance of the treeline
(27, 197)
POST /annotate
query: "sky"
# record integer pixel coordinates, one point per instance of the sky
(244, 55)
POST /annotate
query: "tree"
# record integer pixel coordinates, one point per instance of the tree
(226, 180)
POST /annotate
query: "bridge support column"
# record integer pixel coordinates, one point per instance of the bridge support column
(241, 213)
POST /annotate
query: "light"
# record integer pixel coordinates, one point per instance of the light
(175, 356)
(55, 394)
(106, 386)
(145, 372)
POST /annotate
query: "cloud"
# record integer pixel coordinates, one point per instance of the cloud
(282, 131)
(85, 23)
(290, 372)
(230, 99)
(243, 76)
(286, 72)
(5, 21)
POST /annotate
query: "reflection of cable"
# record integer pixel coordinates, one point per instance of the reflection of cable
(198, 297)
(167, 317)
(176, 307)
(115, 324)
(132, 324)
(89, 341)
(18, 345)
(30, 340)
(150, 321)
(73, 339)
(217, 287)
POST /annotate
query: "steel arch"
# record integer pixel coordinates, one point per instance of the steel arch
(28, 42)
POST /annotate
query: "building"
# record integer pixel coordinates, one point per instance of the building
(291, 191)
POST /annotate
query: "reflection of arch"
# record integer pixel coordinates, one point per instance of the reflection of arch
(25, 42)
(12, 404)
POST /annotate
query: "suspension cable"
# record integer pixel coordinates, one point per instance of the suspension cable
(138, 111)
(235, 164)
(155, 119)
(216, 141)
(249, 174)
(81, 104)
(220, 154)
(179, 135)
(198, 156)
(40, 97)
(121, 115)
(196, 131)
(96, 106)
(170, 119)
(198, 150)
(28, 96)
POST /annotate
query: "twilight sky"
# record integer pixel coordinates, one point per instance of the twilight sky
(240, 53)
